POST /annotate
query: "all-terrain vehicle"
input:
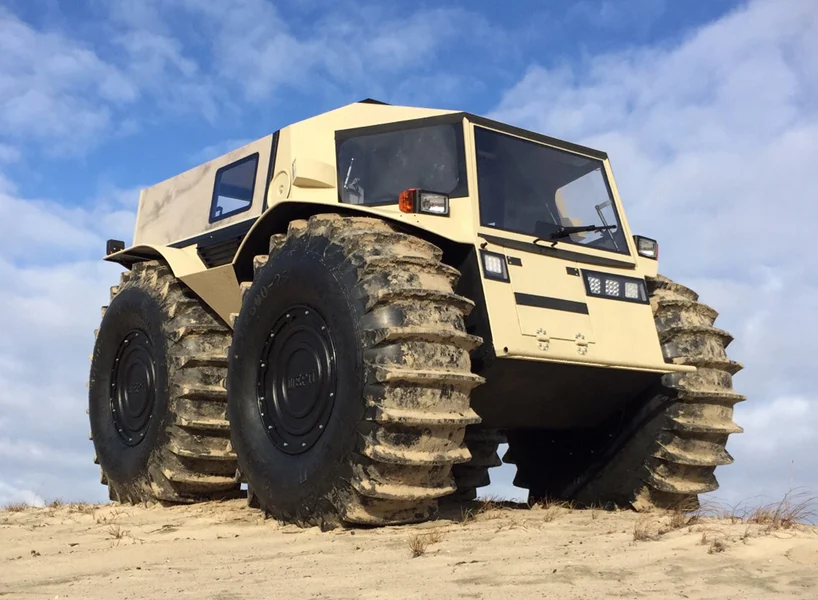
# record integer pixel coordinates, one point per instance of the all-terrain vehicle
(351, 313)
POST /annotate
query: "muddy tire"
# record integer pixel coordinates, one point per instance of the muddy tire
(157, 404)
(666, 453)
(349, 375)
(469, 476)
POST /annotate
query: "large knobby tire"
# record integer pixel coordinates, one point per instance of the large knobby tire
(157, 403)
(665, 454)
(350, 376)
(482, 443)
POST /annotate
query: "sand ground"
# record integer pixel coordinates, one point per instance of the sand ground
(227, 551)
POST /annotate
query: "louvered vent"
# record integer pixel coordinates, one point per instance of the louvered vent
(220, 253)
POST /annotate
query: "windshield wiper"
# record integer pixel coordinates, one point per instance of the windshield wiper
(563, 232)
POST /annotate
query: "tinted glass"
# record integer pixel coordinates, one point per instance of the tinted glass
(376, 168)
(233, 191)
(534, 189)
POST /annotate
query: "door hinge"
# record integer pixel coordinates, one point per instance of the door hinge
(543, 341)
(582, 344)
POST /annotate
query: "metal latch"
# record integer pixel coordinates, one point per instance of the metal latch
(543, 341)
(582, 344)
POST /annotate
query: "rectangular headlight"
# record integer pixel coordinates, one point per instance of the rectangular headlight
(416, 200)
(494, 265)
(434, 204)
(615, 287)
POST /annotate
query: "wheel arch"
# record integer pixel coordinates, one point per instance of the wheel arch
(277, 219)
(460, 255)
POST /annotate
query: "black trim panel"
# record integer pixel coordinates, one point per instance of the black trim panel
(220, 253)
(342, 134)
(552, 303)
(556, 252)
(217, 235)
(488, 274)
(621, 279)
(270, 167)
(545, 139)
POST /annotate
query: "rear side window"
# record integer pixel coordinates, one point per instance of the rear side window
(233, 191)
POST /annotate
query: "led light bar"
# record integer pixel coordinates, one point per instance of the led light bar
(494, 266)
(615, 287)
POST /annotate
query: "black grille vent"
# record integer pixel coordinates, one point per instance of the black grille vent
(220, 253)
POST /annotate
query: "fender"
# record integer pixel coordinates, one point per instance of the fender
(277, 219)
(182, 261)
(217, 287)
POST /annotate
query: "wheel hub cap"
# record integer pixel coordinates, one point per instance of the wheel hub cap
(296, 380)
(133, 387)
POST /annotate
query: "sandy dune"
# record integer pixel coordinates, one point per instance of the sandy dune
(226, 551)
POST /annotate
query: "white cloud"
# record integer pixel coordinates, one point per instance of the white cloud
(53, 286)
(793, 414)
(348, 47)
(70, 91)
(175, 82)
(713, 143)
(42, 228)
(10, 494)
(55, 88)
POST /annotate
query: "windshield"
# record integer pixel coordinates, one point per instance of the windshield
(529, 188)
(374, 168)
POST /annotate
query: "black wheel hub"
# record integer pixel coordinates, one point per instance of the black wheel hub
(133, 387)
(296, 380)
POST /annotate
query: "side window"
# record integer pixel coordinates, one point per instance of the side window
(233, 190)
(374, 168)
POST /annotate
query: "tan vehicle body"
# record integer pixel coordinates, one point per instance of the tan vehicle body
(172, 224)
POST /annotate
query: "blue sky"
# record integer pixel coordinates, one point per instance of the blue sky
(707, 108)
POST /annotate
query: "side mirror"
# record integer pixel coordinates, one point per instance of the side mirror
(646, 247)
(112, 246)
